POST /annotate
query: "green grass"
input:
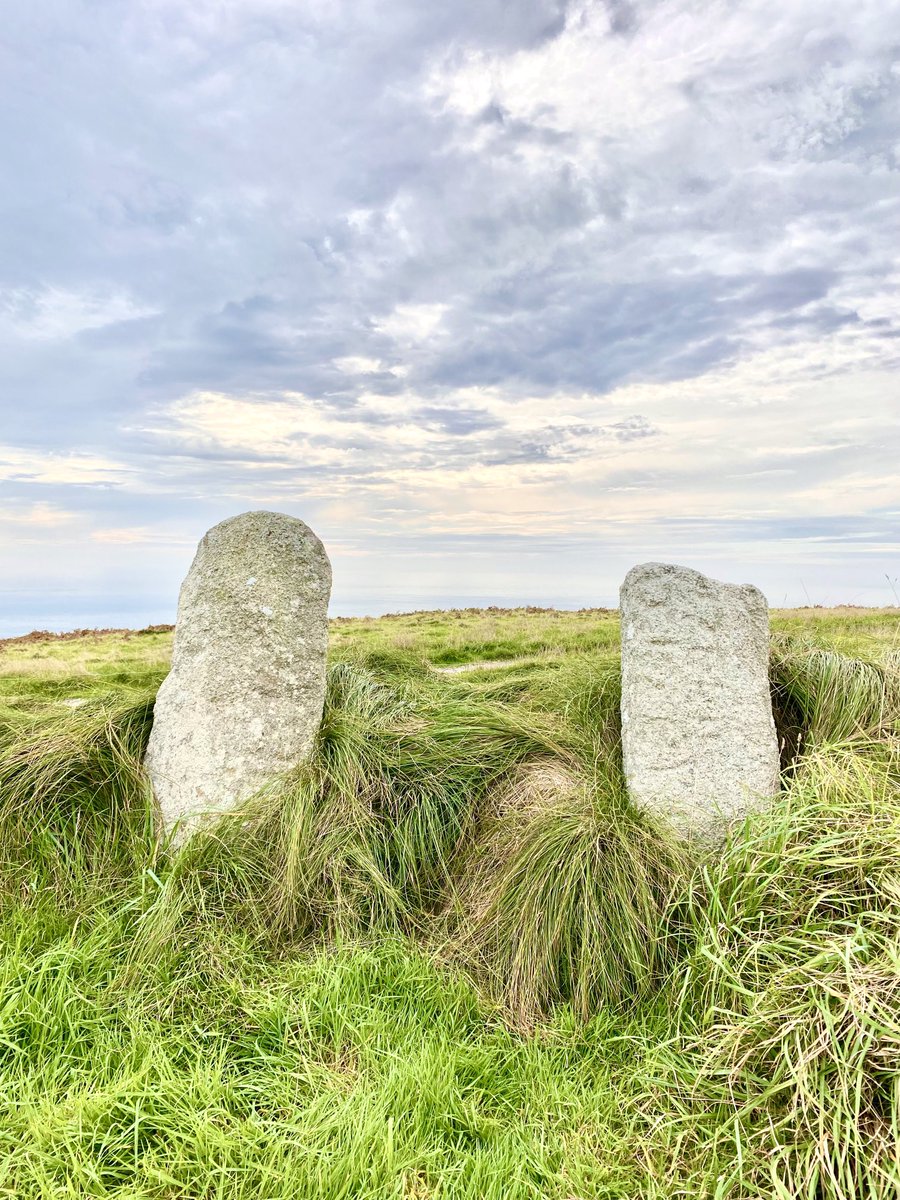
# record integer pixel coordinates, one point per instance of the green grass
(40, 677)
(360, 1071)
(784, 1077)
(446, 958)
(481, 635)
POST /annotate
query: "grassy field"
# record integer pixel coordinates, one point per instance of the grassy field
(446, 959)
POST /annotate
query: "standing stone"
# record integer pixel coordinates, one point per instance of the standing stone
(698, 737)
(243, 701)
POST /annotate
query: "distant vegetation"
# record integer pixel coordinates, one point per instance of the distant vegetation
(446, 958)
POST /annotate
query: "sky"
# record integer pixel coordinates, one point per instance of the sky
(501, 297)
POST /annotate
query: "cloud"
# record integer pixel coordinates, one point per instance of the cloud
(543, 271)
(35, 517)
(19, 464)
(53, 314)
(136, 536)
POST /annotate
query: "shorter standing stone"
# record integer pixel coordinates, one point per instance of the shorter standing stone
(243, 701)
(699, 745)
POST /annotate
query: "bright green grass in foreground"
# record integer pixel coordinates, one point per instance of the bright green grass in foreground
(446, 959)
(366, 1071)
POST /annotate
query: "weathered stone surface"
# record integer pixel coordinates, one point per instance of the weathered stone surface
(243, 701)
(698, 738)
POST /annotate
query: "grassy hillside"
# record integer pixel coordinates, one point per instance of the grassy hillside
(446, 959)
(37, 670)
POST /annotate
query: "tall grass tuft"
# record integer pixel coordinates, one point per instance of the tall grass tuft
(565, 897)
(784, 1079)
(76, 814)
(821, 696)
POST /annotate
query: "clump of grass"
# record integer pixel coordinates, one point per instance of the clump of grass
(564, 897)
(391, 661)
(586, 693)
(821, 696)
(784, 1078)
(75, 810)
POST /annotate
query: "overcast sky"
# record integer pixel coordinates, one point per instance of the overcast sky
(500, 296)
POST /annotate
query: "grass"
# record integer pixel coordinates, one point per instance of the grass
(445, 958)
(784, 1078)
(40, 677)
(363, 1071)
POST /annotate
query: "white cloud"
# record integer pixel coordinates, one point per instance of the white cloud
(22, 465)
(52, 314)
(409, 324)
(39, 516)
(138, 535)
(757, 440)
(355, 364)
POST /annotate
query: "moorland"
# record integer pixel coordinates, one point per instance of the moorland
(446, 958)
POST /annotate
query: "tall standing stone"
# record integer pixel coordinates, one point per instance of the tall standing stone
(243, 701)
(698, 737)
